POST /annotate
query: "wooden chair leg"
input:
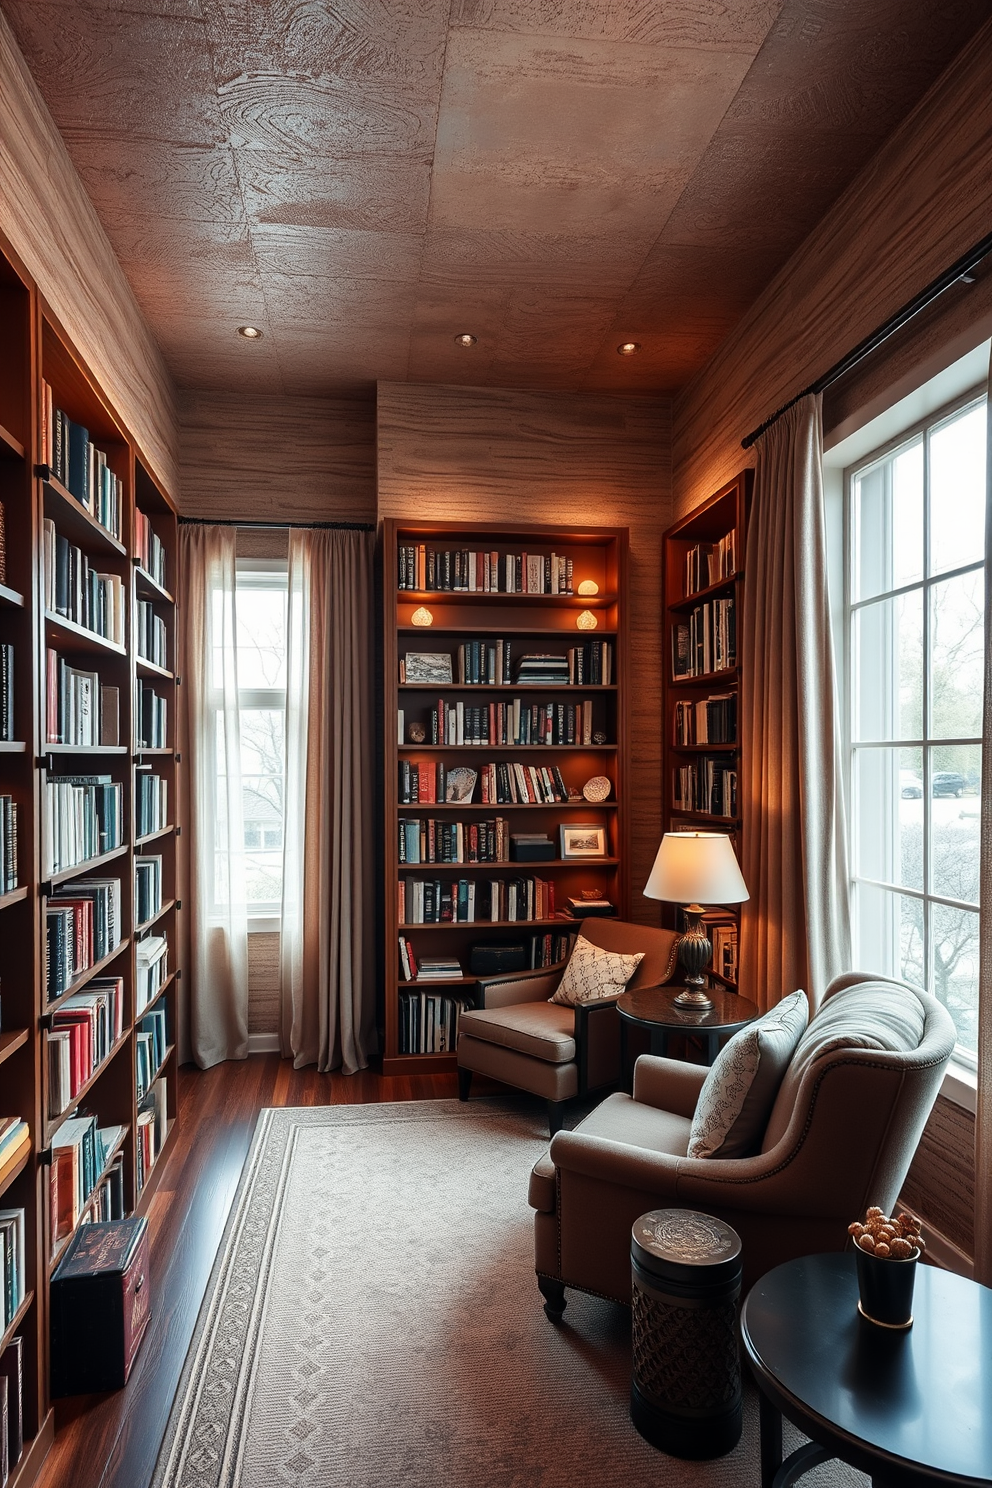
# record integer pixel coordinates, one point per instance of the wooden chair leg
(556, 1114)
(464, 1083)
(553, 1293)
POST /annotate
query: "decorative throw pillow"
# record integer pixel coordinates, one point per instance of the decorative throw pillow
(593, 974)
(738, 1094)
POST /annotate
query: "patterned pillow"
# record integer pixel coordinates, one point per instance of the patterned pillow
(738, 1094)
(592, 974)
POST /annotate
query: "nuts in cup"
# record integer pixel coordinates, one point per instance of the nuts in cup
(896, 1239)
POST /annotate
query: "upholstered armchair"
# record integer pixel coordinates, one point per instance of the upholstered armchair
(841, 1135)
(557, 1052)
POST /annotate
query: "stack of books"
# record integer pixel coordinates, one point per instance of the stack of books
(8, 844)
(79, 1155)
(7, 692)
(151, 635)
(12, 1264)
(544, 670)
(429, 1022)
(84, 818)
(153, 1128)
(151, 804)
(150, 551)
(152, 718)
(150, 1043)
(79, 592)
(74, 459)
(439, 969)
(80, 710)
(152, 967)
(147, 888)
(84, 1030)
(83, 924)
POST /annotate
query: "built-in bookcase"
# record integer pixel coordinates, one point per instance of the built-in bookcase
(532, 745)
(704, 607)
(79, 508)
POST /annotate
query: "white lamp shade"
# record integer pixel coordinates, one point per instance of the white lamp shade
(696, 868)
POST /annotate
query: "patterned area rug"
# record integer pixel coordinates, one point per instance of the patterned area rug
(373, 1320)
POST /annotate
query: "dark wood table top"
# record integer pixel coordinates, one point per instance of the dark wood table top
(654, 1007)
(913, 1407)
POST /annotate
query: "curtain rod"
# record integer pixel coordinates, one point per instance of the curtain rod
(926, 297)
(282, 526)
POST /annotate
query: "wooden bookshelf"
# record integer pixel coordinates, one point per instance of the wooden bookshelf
(37, 352)
(530, 623)
(703, 558)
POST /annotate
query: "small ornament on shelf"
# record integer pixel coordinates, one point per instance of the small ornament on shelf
(416, 733)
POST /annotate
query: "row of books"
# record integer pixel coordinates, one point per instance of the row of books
(150, 635)
(463, 570)
(11, 1407)
(151, 803)
(83, 923)
(153, 1128)
(82, 468)
(147, 888)
(7, 734)
(150, 1044)
(84, 817)
(107, 1201)
(80, 1150)
(712, 720)
(706, 785)
(466, 901)
(80, 709)
(84, 1030)
(153, 719)
(429, 1022)
(149, 549)
(710, 563)
(723, 939)
(15, 1139)
(502, 783)
(489, 664)
(8, 844)
(152, 969)
(13, 1267)
(79, 592)
(708, 643)
(426, 840)
(512, 723)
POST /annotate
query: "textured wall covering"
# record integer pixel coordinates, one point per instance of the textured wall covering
(277, 459)
(52, 225)
(941, 1181)
(920, 203)
(488, 455)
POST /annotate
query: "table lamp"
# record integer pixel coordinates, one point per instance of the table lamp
(694, 869)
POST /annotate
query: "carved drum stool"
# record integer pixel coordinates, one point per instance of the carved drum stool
(685, 1391)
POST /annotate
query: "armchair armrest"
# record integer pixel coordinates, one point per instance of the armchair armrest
(518, 986)
(668, 1084)
(615, 1163)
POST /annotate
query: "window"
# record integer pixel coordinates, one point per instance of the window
(261, 672)
(915, 524)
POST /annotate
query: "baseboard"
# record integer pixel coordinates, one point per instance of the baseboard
(941, 1251)
(263, 1043)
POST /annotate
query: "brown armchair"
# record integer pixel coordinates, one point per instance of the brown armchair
(520, 1038)
(842, 1133)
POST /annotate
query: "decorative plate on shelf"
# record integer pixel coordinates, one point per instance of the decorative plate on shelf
(597, 789)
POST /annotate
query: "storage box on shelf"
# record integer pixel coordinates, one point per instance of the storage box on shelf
(497, 713)
(704, 588)
(73, 1144)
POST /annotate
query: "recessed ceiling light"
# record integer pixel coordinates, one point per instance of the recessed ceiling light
(628, 348)
(250, 333)
(465, 338)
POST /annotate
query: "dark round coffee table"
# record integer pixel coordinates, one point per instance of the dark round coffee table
(908, 1408)
(654, 1008)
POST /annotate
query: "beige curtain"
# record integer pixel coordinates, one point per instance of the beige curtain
(218, 922)
(795, 929)
(327, 966)
(983, 1123)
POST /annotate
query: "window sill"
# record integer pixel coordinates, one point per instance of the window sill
(264, 924)
(960, 1086)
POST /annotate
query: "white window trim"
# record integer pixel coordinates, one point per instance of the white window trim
(847, 451)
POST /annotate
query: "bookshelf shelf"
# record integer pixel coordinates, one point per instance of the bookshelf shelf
(10, 448)
(151, 669)
(167, 1056)
(14, 1166)
(79, 982)
(528, 623)
(147, 924)
(700, 618)
(67, 635)
(14, 896)
(151, 1177)
(13, 1327)
(88, 866)
(93, 750)
(154, 836)
(11, 597)
(10, 1041)
(13, 746)
(145, 584)
(165, 987)
(76, 523)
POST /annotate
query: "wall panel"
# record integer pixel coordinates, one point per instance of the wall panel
(52, 225)
(483, 455)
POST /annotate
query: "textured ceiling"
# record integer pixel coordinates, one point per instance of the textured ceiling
(364, 178)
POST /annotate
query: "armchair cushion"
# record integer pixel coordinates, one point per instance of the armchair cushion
(539, 1029)
(594, 974)
(871, 1015)
(740, 1089)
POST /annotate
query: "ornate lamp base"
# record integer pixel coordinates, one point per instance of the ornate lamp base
(695, 951)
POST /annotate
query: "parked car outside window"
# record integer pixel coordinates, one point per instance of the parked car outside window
(948, 783)
(910, 785)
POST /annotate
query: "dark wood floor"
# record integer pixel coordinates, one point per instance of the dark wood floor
(111, 1441)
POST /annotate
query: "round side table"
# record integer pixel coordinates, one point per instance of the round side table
(654, 1008)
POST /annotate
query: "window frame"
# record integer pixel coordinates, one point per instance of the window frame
(923, 428)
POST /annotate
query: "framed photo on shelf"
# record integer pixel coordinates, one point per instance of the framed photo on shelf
(459, 785)
(433, 667)
(581, 841)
